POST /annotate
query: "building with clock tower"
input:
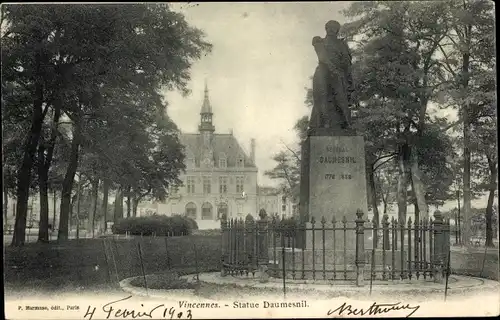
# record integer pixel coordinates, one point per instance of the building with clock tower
(220, 177)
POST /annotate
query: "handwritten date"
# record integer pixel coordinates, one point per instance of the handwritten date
(111, 310)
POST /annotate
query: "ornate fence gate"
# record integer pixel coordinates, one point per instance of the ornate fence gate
(336, 250)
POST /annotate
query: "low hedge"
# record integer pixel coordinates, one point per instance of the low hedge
(159, 225)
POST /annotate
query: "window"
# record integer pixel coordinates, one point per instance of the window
(191, 210)
(239, 162)
(239, 208)
(222, 163)
(239, 184)
(206, 211)
(207, 185)
(222, 184)
(190, 162)
(190, 185)
(222, 210)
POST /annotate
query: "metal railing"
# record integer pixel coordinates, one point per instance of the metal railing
(353, 249)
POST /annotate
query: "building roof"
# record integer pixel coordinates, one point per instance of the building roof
(224, 144)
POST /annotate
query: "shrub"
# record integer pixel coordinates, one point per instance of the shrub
(192, 223)
(156, 224)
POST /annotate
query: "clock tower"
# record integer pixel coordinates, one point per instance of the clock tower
(206, 129)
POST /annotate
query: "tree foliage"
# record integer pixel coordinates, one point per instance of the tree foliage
(102, 67)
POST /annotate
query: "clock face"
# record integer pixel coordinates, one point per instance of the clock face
(207, 161)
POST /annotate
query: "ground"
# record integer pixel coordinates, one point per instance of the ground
(97, 265)
(94, 265)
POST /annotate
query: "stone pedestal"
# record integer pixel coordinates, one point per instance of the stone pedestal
(333, 181)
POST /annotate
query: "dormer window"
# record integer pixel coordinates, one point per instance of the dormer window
(190, 159)
(222, 160)
(239, 162)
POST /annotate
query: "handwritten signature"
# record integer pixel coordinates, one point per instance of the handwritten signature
(110, 309)
(375, 308)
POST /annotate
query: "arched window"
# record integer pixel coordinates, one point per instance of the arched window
(206, 211)
(222, 210)
(191, 210)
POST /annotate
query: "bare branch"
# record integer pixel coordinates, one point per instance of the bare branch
(391, 157)
(293, 152)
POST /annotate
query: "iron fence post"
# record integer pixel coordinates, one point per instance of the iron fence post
(437, 257)
(360, 248)
(223, 228)
(385, 236)
(263, 251)
(249, 226)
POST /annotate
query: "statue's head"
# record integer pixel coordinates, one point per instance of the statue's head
(316, 40)
(332, 27)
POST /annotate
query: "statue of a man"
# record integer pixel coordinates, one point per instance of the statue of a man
(332, 81)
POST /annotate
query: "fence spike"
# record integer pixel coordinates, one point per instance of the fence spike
(409, 222)
(249, 218)
(323, 220)
(359, 213)
(313, 220)
(334, 221)
(344, 219)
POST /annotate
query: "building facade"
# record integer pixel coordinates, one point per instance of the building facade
(275, 202)
(220, 177)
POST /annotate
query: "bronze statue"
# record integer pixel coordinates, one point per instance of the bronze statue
(332, 81)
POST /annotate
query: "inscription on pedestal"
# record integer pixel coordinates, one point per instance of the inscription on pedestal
(337, 178)
(334, 183)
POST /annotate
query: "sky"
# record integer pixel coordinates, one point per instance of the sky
(257, 72)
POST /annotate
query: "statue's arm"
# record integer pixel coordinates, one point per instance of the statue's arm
(321, 53)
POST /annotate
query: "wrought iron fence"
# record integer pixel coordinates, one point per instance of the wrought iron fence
(336, 250)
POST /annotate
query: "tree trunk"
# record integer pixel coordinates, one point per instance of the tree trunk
(466, 135)
(95, 195)
(118, 212)
(376, 218)
(129, 207)
(43, 228)
(5, 205)
(105, 195)
(135, 203)
(24, 172)
(402, 184)
(491, 197)
(44, 163)
(54, 199)
(384, 200)
(418, 186)
(78, 197)
(68, 183)
(467, 186)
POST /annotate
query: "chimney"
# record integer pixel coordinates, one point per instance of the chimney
(252, 150)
